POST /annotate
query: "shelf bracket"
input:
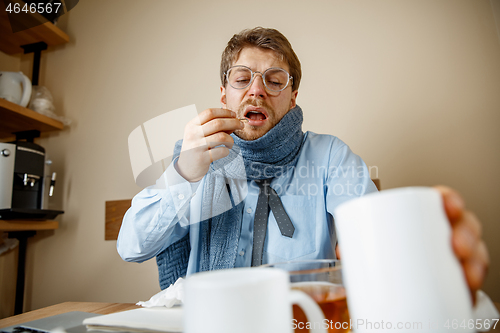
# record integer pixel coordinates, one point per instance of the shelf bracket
(22, 236)
(29, 136)
(37, 49)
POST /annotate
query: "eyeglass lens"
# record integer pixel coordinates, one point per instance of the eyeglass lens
(275, 79)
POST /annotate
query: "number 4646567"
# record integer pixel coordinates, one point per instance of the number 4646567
(33, 8)
(471, 324)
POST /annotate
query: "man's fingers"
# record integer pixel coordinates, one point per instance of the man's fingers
(466, 235)
(213, 113)
(226, 125)
(482, 253)
(474, 274)
(454, 205)
(218, 139)
(468, 246)
(472, 222)
(215, 154)
(476, 267)
(202, 136)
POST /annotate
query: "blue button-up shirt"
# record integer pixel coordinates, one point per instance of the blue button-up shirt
(327, 173)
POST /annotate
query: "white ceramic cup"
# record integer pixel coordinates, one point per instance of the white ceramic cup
(244, 300)
(399, 265)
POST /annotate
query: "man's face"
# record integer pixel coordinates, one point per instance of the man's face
(263, 109)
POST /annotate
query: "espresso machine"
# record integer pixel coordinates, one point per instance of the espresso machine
(25, 181)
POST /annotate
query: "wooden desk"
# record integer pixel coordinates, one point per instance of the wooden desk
(22, 230)
(93, 307)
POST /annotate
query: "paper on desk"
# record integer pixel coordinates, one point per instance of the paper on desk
(158, 319)
(169, 297)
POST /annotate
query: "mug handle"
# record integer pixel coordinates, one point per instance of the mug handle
(310, 308)
(25, 98)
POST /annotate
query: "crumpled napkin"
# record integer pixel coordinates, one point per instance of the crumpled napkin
(169, 297)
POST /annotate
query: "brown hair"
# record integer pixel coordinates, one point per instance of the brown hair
(265, 38)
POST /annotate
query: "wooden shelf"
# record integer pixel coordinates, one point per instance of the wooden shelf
(26, 225)
(15, 118)
(10, 42)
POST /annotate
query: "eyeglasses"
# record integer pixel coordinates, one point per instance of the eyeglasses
(275, 79)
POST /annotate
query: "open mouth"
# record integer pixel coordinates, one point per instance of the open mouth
(255, 115)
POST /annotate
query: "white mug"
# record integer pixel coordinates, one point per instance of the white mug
(10, 87)
(398, 263)
(244, 300)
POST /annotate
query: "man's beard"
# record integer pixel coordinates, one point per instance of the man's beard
(256, 131)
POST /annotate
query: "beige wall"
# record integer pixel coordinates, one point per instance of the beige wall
(411, 86)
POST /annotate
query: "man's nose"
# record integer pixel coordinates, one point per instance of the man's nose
(257, 87)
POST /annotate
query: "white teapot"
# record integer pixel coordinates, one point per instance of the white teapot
(15, 87)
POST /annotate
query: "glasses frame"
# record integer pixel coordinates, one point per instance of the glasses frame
(263, 75)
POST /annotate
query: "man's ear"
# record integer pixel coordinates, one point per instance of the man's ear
(223, 97)
(292, 100)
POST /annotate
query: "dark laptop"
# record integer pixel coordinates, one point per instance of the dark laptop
(70, 322)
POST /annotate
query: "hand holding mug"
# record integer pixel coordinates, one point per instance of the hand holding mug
(420, 281)
(466, 240)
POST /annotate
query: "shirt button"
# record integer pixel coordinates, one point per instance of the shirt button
(249, 210)
(242, 253)
(180, 196)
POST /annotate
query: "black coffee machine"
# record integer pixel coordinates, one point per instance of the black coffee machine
(25, 180)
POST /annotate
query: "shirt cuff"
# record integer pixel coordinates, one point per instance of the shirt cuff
(181, 190)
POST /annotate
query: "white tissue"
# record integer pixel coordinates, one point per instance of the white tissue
(169, 297)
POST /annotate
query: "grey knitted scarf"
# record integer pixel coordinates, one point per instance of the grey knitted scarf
(222, 209)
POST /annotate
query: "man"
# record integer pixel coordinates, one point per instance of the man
(261, 189)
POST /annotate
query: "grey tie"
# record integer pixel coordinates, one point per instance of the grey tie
(268, 198)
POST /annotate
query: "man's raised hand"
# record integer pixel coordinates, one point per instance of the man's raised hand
(206, 139)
